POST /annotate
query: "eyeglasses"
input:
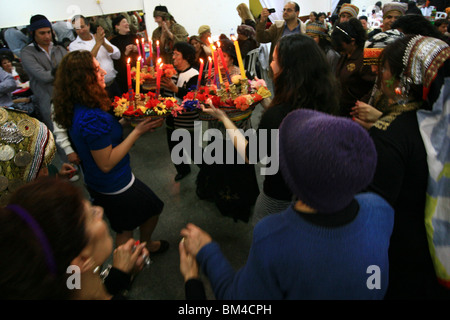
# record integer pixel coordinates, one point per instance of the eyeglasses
(345, 32)
(288, 10)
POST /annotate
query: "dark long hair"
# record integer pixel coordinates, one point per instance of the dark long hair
(76, 82)
(305, 79)
(352, 29)
(417, 24)
(58, 208)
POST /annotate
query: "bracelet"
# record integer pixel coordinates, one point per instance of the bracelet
(105, 272)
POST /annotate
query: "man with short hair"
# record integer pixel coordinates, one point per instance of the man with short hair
(100, 48)
(290, 24)
(40, 60)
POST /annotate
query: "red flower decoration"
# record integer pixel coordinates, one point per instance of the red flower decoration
(169, 103)
(190, 96)
(216, 101)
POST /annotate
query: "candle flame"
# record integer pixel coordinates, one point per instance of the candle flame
(201, 60)
(214, 47)
(139, 59)
(210, 40)
(143, 40)
(157, 43)
(159, 60)
(209, 58)
(128, 61)
(137, 41)
(233, 38)
(218, 44)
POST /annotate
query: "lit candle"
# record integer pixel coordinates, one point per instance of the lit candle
(130, 86)
(157, 50)
(200, 71)
(217, 76)
(138, 75)
(209, 67)
(139, 49)
(151, 53)
(211, 44)
(224, 63)
(143, 51)
(128, 73)
(158, 62)
(239, 57)
(216, 65)
(158, 80)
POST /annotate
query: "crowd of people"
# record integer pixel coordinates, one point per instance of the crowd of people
(346, 114)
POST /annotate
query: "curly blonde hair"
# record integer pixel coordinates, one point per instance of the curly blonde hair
(76, 82)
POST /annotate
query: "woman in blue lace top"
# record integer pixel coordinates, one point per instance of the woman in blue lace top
(81, 106)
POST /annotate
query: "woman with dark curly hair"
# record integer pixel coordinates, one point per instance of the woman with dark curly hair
(356, 79)
(81, 106)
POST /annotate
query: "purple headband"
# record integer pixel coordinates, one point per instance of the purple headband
(32, 223)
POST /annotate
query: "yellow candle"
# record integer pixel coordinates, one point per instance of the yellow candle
(138, 75)
(216, 65)
(239, 57)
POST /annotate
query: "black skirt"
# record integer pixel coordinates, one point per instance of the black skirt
(128, 210)
(233, 187)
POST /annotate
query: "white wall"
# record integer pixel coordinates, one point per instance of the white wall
(220, 15)
(19, 12)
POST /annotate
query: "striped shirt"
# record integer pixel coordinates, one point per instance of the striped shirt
(185, 81)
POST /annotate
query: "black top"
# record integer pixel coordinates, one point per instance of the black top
(401, 178)
(121, 42)
(194, 290)
(274, 185)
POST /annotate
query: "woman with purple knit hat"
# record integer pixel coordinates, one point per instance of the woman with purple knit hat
(331, 243)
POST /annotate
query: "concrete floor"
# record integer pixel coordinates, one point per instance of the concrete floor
(150, 161)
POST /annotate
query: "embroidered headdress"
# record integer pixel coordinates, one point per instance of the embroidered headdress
(26, 145)
(423, 58)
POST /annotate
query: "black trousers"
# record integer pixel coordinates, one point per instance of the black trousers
(182, 168)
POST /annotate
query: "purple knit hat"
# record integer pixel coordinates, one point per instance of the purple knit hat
(325, 160)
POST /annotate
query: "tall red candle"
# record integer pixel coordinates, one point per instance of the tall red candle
(200, 71)
(158, 80)
(128, 73)
(143, 51)
(139, 47)
(216, 70)
(150, 53)
(224, 63)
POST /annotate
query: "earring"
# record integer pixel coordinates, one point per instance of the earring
(402, 91)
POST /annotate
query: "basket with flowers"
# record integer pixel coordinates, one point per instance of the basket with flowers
(138, 107)
(238, 100)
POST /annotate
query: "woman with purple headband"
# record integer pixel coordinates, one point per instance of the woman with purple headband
(53, 242)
